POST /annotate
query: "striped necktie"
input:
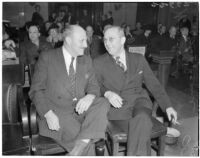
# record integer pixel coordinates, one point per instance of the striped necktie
(72, 77)
(118, 62)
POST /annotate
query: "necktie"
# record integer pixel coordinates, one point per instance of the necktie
(118, 62)
(72, 77)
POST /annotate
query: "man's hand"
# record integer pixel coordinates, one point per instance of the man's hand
(172, 115)
(114, 99)
(52, 120)
(84, 103)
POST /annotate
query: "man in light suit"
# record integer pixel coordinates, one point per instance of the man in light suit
(66, 95)
(121, 75)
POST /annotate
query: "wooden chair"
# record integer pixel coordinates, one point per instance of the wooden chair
(137, 49)
(116, 136)
(41, 145)
(15, 130)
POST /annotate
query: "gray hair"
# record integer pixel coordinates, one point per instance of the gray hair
(68, 30)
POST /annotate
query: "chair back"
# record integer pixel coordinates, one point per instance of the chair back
(137, 49)
(10, 112)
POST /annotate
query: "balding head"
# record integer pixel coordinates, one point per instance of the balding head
(75, 40)
(116, 29)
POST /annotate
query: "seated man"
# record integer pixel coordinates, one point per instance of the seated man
(95, 45)
(121, 75)
(171, 39)
(185, 52)
(158, 41)
(66, 95)
(144, 39)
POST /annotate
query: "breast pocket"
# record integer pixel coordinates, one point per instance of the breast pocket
(136, 80)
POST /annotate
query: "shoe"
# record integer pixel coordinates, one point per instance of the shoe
(79, 148)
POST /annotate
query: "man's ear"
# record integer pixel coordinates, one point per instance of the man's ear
(68, 40)
(123, 39)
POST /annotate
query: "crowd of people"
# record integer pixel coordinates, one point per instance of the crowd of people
(80, 77)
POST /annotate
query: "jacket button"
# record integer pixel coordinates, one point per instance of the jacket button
(59, 97)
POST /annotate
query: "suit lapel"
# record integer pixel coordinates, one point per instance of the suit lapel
(117, 73)
(131, 67)
(79, 73)
(128, 64)
(63, 70)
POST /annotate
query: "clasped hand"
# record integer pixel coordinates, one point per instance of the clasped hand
(52, 120)
(114, 99)
(84, 103)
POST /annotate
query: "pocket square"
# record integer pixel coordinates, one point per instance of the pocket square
(140, 72)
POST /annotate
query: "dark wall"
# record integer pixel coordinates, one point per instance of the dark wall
(146, 14)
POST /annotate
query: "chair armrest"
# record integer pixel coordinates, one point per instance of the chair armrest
(23, 113)
(33, 119)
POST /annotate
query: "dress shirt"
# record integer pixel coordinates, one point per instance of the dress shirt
(67, 59)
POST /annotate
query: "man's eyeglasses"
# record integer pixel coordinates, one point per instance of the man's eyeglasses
(110, 39)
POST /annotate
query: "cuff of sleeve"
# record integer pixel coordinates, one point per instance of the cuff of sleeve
(106, 94)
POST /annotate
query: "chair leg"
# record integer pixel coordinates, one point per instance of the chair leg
(115, 148)
(161, 145)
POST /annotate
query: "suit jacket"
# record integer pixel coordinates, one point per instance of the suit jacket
(129, 84)
(29, 52)
(50, 89)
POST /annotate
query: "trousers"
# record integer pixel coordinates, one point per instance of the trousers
(138, 129)
(89, 125)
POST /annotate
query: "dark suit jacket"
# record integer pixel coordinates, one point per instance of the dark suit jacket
(50, 87)
(129, 84)
(72, 20)
(29, 52)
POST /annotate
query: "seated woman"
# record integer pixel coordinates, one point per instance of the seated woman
(54, 37)
(9, 47)
(31, 49)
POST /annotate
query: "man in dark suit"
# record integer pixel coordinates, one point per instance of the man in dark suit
(95, 44)
(37, 17)
(70, 19)
(121, 75)
(66, 95)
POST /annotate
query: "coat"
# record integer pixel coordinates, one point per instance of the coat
(51, 86)
(129, 84)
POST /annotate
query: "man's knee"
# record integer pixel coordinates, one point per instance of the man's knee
(102, 105)
(143, 118)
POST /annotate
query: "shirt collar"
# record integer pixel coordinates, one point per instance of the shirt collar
(66, 54)
(121, 56)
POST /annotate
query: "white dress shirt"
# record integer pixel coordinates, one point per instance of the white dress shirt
(67, 59)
